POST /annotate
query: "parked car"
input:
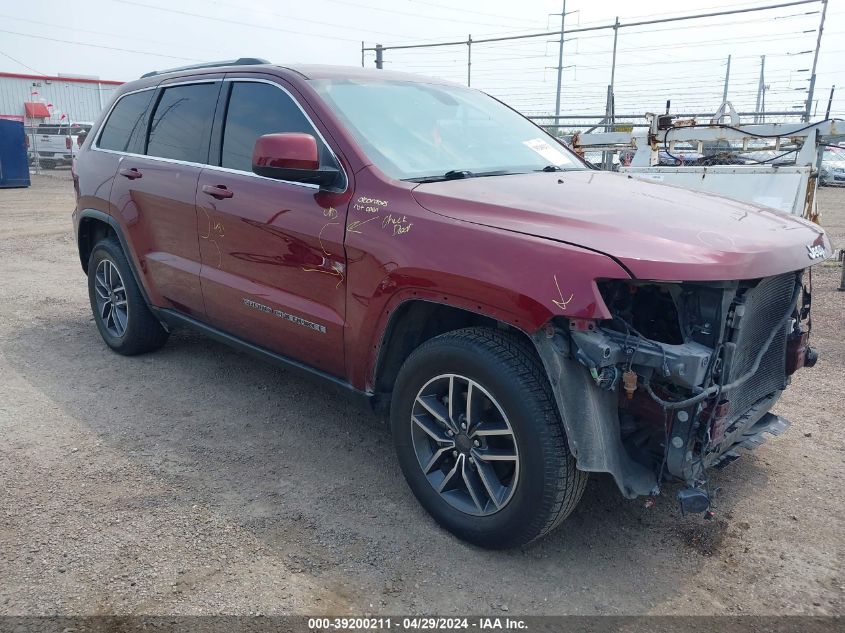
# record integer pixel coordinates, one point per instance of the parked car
(56, 144)
(520, 319)
(833, 166)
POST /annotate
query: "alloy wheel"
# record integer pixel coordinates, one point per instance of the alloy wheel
(110, 294)
(465, 445)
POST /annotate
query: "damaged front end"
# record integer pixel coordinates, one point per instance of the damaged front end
(681, 376)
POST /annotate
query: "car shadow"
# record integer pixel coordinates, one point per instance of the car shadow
(314, 478)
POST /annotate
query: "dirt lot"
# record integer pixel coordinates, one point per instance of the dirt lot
(198, 480)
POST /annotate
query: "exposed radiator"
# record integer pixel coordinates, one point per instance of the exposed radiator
(764, 307)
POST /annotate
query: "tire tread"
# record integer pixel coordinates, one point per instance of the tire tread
(146, 334)
(563, 482)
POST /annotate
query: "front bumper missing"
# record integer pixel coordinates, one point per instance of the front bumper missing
(590, 418)
(592, 424)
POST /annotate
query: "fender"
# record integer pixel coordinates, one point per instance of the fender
(396, 249)
(104, 217)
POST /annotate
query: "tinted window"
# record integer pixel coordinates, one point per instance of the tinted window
(256, 109)
(182, 121)
(126, 123)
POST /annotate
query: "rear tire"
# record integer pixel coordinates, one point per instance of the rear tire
(507, 476)
(122, 316)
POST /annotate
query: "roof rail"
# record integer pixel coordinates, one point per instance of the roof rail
(241, 61)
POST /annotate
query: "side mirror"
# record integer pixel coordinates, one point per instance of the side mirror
(291, 156)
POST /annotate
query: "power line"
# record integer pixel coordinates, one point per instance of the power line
(17, 61)
(400, 12)
(483, 13)
(79, 30)
(733, 5)
(752, 39)
(251, 25)
(110, 48)
(604, 27)
(322, 23)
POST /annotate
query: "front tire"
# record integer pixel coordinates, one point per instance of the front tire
(120, 311)
(480, 441)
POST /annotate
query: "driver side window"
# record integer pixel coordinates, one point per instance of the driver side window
(256, 109)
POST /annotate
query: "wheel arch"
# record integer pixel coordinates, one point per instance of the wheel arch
(93, 226)
(413, 322)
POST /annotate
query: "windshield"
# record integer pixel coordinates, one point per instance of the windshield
(418, 131)
(834, 154)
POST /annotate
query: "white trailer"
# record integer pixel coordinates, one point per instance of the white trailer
(787, 187)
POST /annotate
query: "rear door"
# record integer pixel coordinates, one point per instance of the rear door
(155, 191)
(273, 261)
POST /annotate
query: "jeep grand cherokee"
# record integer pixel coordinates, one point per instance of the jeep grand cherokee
(522, 320)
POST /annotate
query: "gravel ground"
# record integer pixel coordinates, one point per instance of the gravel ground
(197, 480)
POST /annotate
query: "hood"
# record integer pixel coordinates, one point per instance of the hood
(656, 231)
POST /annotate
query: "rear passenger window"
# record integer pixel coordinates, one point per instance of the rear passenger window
(125, 127)
(181, 123)
(256, 109)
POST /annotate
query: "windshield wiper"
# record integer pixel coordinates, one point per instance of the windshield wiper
(550, 168)
(454, 174)
(459, 174)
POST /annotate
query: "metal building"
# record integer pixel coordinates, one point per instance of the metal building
(36, 99)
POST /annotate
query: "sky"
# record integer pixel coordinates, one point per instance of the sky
(684, 62)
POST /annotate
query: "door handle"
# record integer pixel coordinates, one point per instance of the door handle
(130, 172)
(217, 191)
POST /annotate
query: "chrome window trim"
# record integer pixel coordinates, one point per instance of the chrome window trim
(95, 145)
(238, 172)
(176, 161)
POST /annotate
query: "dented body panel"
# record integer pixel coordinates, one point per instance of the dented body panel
(458, 263)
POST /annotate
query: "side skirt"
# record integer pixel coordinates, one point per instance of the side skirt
(360, 398)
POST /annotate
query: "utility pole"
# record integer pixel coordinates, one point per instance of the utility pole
(362, 54)
(815, 63)
(560, 65)
(829, 103)
(727, 80)
(379, 56)
(610, 107)
(761, 88)
(613, 69)
(469, 59)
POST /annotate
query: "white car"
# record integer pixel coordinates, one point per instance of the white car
(833, 167)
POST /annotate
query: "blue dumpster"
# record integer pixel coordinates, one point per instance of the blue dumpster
(14, 168)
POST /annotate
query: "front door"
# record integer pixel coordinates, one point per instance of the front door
(273, 262)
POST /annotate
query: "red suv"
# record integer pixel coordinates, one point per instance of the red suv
(522, 319)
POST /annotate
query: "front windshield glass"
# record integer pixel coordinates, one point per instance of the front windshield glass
(418, 131)
(834, 154)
